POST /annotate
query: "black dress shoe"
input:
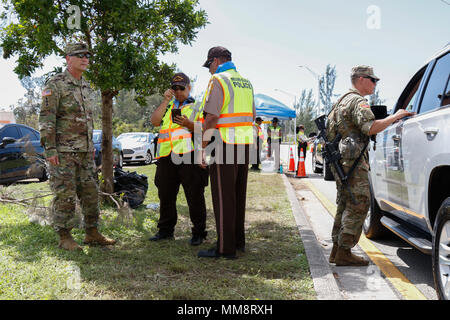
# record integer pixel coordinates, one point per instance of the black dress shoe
(213, 253)
(161, 236)
(196, 240)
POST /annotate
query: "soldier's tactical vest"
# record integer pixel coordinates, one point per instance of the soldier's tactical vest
(275, 132)
(236, 117)
(173, 137)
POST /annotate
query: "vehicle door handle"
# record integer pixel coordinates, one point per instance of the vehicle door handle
(396, 137)
(431, 133)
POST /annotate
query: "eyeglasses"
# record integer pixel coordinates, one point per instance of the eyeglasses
(372, 79)
(81, 55)
(181, 88)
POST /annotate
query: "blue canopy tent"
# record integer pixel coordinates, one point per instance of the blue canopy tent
(269, 107)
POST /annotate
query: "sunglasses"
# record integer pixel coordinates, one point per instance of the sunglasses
(372, 79)
(209, 62)
(181, 88)
(81, 55)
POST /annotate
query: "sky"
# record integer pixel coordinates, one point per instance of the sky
(270, 39)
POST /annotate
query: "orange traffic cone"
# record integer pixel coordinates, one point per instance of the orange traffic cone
(291, 162)
(301, 166)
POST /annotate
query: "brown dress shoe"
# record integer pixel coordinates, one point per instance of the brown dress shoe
(66, 241)
(93, 237)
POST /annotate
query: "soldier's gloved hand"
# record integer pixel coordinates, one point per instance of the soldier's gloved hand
(53, 160)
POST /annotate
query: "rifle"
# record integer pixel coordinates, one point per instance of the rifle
(332, 155)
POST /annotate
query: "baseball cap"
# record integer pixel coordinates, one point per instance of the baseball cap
(364, 71)
(216, 52)
(275, 119)
(74, 48)
(180, 79)
(258, 119)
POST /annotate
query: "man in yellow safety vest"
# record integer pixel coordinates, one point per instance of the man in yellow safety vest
(179, 117)
(229, 112)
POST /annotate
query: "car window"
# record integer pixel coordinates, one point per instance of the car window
(28, 134)
(446, 98)
(436, 85)
(11, 132)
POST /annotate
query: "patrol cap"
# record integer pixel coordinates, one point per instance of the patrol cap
(180, 79)
(216, 52)
(363, 71)
(79, 47)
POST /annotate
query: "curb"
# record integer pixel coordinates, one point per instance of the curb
(324, 282)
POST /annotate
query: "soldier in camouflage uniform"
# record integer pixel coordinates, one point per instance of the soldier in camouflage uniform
(66, 128)
(352, 117)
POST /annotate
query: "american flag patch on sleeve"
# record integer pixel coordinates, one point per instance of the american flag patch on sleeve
(47, 92)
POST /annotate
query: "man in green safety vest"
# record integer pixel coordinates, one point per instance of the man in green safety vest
(179, 117)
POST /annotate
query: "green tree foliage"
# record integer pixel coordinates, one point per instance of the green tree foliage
(126, 37)
(305, 108)
(327, 81)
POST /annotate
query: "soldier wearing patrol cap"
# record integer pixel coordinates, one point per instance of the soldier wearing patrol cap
(352, 117)
(66, 128)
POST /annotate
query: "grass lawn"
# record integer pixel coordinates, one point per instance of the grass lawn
(273, 267)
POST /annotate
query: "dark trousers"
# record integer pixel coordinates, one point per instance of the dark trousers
(303, 146)
(168, 178)
(257, 146)
(229, 191)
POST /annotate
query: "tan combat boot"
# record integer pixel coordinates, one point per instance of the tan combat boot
(333, 253)
(94, 237)
(345, 257)
(66, 241)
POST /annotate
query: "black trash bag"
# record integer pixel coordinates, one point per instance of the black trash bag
(134, 186)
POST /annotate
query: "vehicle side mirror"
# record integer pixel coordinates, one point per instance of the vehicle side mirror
(7, 140)
(380, 112)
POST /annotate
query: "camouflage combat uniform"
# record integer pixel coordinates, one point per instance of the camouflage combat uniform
(66, 128)
(352, 118)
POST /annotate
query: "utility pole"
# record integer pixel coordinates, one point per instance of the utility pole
(318, 88)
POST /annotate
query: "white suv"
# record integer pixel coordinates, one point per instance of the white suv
(410, 170)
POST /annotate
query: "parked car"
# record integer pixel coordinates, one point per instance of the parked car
(318, 163)
(21, 154)
(138, 147)
(116, 146)
(410, 170)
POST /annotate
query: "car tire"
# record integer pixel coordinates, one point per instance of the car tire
(148, 158)
(372, 226)
(45, 175)
(315, 169)
(441, 251)
(120, 164)
(327, 174)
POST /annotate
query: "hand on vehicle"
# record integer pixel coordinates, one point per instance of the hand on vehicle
(401, 113)
(53, 160)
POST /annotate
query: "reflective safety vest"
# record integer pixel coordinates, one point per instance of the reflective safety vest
(301, 138)
(235, 122)
(173, 137)
(275, 132)
(260, 132)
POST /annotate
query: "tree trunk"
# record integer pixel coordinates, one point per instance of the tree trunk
(107, 156)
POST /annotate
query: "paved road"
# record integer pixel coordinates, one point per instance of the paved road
(412, 263)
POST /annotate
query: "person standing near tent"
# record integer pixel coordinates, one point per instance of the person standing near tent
(229, 112)
(258, 143)
(302, 141)
(275, 135)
